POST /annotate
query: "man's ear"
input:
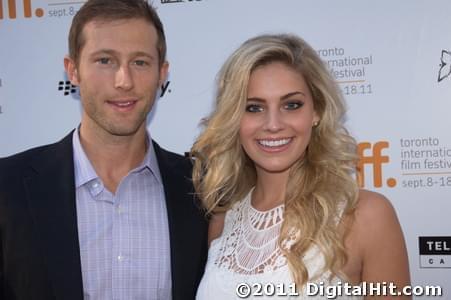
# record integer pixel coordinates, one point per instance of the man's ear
(164, 69)
(71, 70)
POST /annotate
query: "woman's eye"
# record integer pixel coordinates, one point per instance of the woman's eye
(253, 108)
(293, 105)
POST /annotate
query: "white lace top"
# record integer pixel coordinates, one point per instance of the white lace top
(247, 252)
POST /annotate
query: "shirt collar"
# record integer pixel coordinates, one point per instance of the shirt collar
(84, 171)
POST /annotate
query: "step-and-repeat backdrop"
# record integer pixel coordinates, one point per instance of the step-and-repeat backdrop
(392, 60)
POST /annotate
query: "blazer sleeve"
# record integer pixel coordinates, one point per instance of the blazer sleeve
(2, 279)
(2, 271)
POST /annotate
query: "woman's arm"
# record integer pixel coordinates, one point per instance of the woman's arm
(384, 254)
(215, 227)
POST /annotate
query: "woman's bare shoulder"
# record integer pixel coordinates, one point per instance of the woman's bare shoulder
(372, 206)
(379, 234)
(374, 216)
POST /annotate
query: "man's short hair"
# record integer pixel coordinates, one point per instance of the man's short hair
(112, 10)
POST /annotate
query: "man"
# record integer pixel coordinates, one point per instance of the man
(105, 213)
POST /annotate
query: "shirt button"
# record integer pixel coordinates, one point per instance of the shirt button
(95, 184)
(119, 209)
(120, 258)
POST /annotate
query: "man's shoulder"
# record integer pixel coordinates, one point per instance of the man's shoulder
(169, 157)
(22, 158)
(17, 162)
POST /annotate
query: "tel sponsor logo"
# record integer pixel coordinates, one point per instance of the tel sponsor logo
(435, 251)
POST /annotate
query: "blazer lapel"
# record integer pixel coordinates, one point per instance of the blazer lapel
(187, 232)
(50, 187)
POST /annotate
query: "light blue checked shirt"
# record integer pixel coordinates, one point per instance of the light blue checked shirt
(124, 238)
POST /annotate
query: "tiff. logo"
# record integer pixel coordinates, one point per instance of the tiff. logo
(376, 160)
(12, 9)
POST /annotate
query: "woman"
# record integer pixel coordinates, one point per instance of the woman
(275, 168)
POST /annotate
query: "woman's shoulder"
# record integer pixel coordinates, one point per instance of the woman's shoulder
(378, 233)
(372, 205)
(374, 215)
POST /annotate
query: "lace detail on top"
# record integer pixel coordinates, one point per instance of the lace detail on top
(250, 244)
(248, 251)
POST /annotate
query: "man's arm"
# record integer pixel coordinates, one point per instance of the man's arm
(2, 272)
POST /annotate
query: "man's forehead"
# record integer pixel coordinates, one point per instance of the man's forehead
(111, 23)
(104, 30)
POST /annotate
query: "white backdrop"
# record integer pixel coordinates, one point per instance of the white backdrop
(391, 58)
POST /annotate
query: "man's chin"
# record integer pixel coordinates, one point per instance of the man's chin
(124, 131)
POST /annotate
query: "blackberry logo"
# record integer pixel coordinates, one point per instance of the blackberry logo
(165, 88)
(67, 87)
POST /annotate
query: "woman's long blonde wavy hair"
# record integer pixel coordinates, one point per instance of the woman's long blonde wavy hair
(321, 186)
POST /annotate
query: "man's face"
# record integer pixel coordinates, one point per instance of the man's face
(118, 74)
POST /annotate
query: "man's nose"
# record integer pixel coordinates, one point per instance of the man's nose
(123, 78)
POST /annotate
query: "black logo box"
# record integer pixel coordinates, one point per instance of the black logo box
(435, 245)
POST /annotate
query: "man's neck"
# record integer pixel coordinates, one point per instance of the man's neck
(113, 157)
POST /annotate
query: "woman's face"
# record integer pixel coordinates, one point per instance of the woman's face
(276, 127)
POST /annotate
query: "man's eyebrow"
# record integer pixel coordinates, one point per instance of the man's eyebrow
(113, 52)
(104, 51)
(142, 53)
